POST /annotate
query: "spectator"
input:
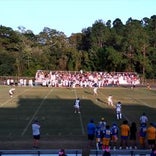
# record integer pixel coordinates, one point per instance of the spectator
(133, 133)
(62, 153)
(125, 130)
(36, 133)
(91, 132)
(151, 136)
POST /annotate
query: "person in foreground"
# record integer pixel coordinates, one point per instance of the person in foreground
(36, 133)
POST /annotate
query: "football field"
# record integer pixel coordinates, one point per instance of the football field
(53, 107)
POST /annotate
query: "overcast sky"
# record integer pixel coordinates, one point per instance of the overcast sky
(70, 16)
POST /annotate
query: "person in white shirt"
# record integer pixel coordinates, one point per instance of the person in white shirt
(36, 133)
(110, 100)
(118, 110)
(11, 92)
(77, 105)
(143, 119)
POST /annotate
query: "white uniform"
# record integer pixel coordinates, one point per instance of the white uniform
(77, 105)
(143, 119)
(118, 110)
(95, 88)
(110, 100)
(11, 92)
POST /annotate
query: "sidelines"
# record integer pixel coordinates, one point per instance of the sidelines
(81, 122)
(37, 110)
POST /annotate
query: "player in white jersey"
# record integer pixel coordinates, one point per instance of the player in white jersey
(77, 105)
(110, 100)
(118, 110)
(95, 85)
(11, 92)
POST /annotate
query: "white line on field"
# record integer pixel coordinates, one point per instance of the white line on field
(115, 112)
(82, 127)
(37, 110)
(11, 98)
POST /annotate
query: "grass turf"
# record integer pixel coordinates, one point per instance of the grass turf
(53, 107)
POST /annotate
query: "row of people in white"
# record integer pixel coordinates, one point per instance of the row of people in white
(83, 79)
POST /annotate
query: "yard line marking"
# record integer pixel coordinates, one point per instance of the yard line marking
(7, 102)
(37, 110)
(81, 122)
(114, 110)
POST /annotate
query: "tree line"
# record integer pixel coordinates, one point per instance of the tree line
(105, 46)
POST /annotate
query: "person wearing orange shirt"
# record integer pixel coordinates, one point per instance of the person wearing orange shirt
(151, 135)
(125, 130)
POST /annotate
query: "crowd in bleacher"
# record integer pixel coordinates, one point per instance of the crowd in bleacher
(85, 79)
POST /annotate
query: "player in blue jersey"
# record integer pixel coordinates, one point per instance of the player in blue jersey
(114, 138)
(142, 135)
(98, 137)
(106, 137)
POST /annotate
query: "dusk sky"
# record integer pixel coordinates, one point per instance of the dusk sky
(70, 16)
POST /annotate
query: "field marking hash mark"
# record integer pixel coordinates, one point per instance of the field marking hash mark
(37, 110)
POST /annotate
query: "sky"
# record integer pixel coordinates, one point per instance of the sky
(70, 16)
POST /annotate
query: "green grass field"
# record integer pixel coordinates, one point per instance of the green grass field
(53, 107)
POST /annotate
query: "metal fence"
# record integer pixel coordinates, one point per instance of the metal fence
(49, 152)
(122, 153)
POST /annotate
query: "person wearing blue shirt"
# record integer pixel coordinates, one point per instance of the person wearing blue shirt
(91, 127)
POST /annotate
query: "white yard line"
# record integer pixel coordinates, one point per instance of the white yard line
(115, 110)
(81, 122)
(35, 113)
(11, 98)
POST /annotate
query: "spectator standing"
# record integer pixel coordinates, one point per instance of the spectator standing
(151, 136)
(36, 133)
(91, 127)
(125, 130)
(133, 134)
